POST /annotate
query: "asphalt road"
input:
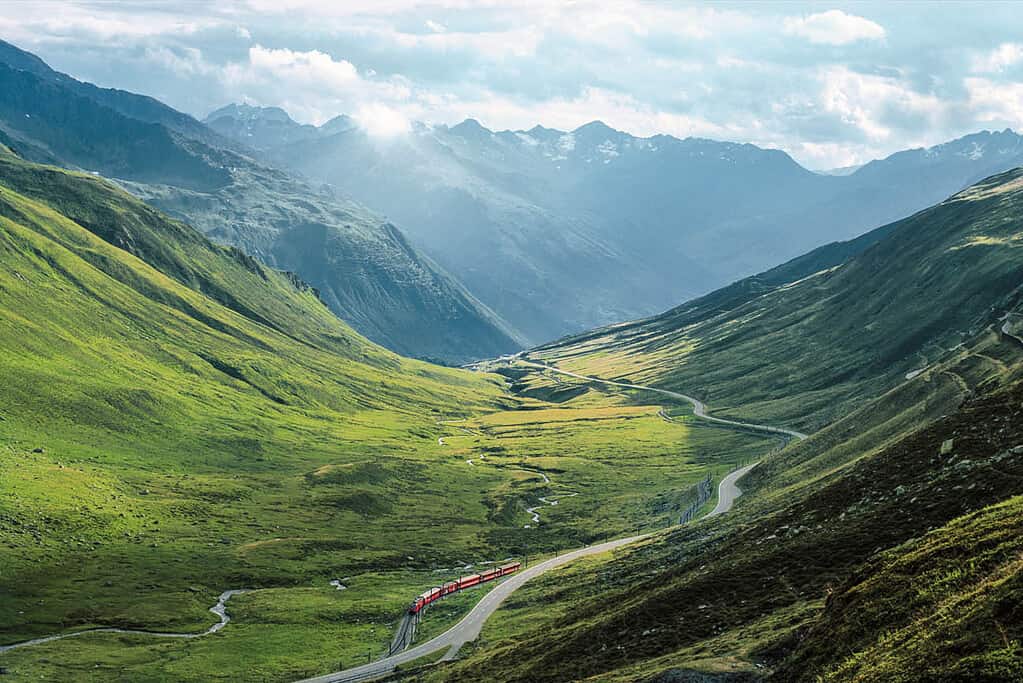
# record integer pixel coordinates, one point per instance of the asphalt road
(468, 629)
(699, 407)
(728, 490)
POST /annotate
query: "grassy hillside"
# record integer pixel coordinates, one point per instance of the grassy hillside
(177, 420)
(851, 514)
(802, 352)
(151, 434)
(364, 268)
(881, 548)
(224, 274)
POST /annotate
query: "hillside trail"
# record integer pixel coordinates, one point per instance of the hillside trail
(219, 609)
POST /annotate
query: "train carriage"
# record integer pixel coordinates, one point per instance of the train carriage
(450, 587)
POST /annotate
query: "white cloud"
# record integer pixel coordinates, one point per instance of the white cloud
(313, 86)
(872, 103)
(999, 59)
(514, 42)
(996, 103)
(243, 33)
(309, 67)
(183, 61)
(70, 23)
(435, 26)
(833, 27)
(382, 121)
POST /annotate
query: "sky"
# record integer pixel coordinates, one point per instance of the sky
(832, 84)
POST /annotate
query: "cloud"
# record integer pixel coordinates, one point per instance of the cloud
(829, 87)
(382, 121)
(877, 107)
(1000, 104)
(183, 61)
(833, 27)
(999, 59)
(314, 86)
(72, 23)
(313, 66)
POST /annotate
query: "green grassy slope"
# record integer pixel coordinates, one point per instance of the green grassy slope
(177, 420)
(803, 352)
(365, 269)
(224, 274)
(844, 513)
(747, 593)
(167, 421)
(957, 616)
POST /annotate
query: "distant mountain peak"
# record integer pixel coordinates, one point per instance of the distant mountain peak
(338, 124)
(595, 127)
(471, 129)
(248, 112)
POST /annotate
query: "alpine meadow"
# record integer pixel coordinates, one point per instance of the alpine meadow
(511, 342)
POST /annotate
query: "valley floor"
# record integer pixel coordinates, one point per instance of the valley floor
(571, 464)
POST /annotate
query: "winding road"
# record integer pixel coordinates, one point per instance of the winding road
(468, 629)
(728, 491)
(699, 407)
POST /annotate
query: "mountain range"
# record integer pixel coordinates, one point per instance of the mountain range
(559, 231)
(362, 266)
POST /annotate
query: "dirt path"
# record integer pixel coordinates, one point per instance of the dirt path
(220, 609)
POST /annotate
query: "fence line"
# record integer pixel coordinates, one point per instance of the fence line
(704, 490)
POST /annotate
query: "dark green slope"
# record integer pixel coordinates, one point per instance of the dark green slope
(364, 268)
(42, 116)
(803, 351)
(884, 547)
(896, 558)
(134, 106)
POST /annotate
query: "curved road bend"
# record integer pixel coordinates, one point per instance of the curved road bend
(699, 407)
(728, 491)
(468, 629)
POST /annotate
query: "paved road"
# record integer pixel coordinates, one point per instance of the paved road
(728, 490)
(468, 629)
(699, 407)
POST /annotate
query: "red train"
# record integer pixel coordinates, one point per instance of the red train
(465, 582)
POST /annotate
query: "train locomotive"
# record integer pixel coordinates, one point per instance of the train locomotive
(450, 587)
